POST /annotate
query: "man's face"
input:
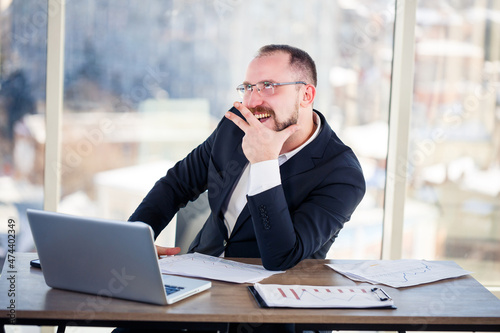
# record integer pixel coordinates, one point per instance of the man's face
(281, 109)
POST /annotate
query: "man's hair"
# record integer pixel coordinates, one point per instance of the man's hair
(300, 60)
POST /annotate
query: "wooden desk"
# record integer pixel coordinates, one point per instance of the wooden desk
(461, 304)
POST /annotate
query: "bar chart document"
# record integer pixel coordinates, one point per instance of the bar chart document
(302, 296)
(399, 273)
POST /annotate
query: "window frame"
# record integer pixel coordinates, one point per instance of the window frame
(54, 103)
(400, 107)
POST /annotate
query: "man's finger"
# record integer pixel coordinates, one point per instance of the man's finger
(242, 124)
(167, 251)
(249, 116)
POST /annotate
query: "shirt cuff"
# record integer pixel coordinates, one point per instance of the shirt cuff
(263, 176)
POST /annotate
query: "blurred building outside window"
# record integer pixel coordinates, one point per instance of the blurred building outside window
(23, 57)
(453, 171)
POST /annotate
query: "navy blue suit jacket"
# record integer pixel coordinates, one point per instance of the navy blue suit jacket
(321, 187)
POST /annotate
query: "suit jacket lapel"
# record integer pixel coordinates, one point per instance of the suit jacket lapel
(244, 216)
(228, 178)
(234, 163)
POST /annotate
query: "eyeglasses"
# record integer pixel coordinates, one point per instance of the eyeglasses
(264, 88)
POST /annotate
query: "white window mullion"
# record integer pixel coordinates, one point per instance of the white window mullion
(399, 120)
(54, 98)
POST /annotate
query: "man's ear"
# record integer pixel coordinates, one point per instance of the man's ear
(308, 95)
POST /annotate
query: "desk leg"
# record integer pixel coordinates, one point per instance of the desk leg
(61, 328)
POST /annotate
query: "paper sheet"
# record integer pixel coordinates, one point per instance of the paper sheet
(301, 296)
(398, 273)
(215, 268)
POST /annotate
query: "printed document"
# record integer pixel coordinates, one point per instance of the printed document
(302, 296)
(398, 273)
(215, 268)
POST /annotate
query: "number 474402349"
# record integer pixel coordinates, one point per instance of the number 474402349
(11, 243)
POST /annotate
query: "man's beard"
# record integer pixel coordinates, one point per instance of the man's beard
(278, 126)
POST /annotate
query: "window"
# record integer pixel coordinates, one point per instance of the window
(452, 206)
(138, 97)
(146, 81)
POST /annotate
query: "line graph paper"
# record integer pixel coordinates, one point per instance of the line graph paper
(398, 273)
(204, 266)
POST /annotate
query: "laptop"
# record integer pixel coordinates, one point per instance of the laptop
(106, 258)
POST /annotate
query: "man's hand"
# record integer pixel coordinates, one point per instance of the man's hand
(259, 143)
(167, 251)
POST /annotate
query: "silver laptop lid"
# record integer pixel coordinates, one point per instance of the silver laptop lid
(99, 256)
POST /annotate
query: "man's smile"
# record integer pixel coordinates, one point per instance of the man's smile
(262, 116)
(262, 113)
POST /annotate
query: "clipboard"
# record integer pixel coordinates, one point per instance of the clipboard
(325, 297)
(257, 297)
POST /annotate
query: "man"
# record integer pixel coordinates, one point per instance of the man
(280, 183)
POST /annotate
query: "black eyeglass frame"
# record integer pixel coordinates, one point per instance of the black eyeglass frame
(243, 89)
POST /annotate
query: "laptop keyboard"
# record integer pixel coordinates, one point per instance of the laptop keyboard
(172, 289)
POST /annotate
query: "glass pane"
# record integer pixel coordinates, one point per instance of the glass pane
(358, 88)
(23, 50)
(453, 196)
(147, 81)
